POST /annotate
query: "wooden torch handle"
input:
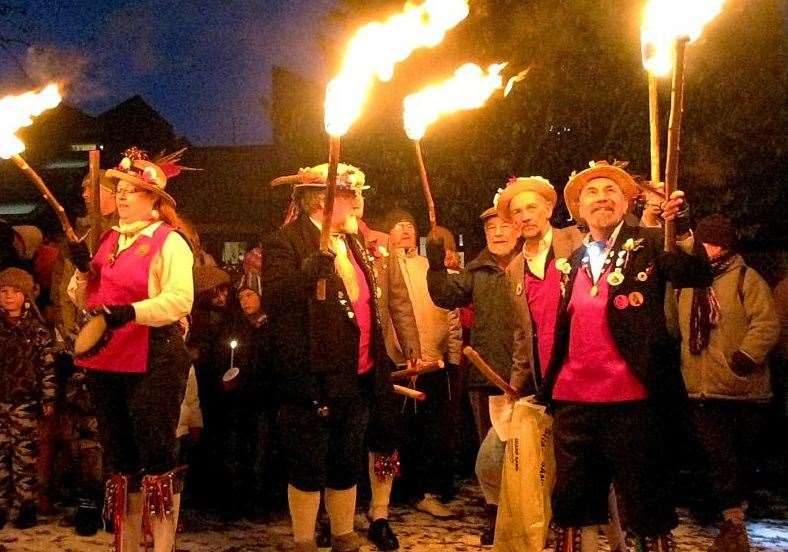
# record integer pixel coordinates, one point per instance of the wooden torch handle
(425, 186)
(409, 393)
(674, 135)
(48, 196)
(328, 208)
(487, 371)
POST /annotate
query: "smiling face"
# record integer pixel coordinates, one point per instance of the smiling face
(134, 204)
(531, 214)
(501, 236)
(602, 204)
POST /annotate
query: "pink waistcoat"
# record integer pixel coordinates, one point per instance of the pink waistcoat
(122, 282)
(362, 308)
(594, 371)
(544, 300)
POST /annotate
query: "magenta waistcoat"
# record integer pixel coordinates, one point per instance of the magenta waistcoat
(122, 282)
(594, 371)
(362, 308)
(544, 300)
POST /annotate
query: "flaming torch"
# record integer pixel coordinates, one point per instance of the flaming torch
(372, 54)
(469, 88)
(17, 112)
(668, 26)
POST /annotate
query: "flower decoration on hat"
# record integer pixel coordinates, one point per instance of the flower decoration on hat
(152, 176)
(348, 177)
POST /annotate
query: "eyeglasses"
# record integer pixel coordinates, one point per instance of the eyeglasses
(127, 191)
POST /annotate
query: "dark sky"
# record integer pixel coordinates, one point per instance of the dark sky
(201, 63)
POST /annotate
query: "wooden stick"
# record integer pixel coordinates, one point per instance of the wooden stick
(409, 393)
(334, 146)
(653, 120)
(94, 164)
(425, 186)
(674, 135)
(418, 370)
(487, 371)
(47, 195)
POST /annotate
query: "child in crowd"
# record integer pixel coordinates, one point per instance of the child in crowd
(27, 388)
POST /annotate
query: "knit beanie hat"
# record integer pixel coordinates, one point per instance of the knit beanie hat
(208, 277)
(19, 279)
(396, 216)
(717, 230)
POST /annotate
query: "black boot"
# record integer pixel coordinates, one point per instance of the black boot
(87, 519)
(488, 535)
(382, 536)
(323, 533)
(27, 516)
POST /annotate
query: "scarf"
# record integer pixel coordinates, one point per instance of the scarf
(705, 310)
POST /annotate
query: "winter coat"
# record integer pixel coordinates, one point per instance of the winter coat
(255, 357)
(317, 341)
(440, 333)
(748, 323)
(484, 284)
(401, 335)
(27, 360)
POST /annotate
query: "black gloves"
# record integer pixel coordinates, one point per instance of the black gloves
(319, 265)
(742, 365)
(79, 255)
(117, 315)
(436, 254)
(683, 219)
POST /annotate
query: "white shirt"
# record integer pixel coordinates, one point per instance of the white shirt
(170, 281)
(538, 261)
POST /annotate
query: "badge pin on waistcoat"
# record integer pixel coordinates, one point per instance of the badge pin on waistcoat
(636, 299)
(519, 290)
(615, 278)
(594, 290)
(620, 302)
(642, 276)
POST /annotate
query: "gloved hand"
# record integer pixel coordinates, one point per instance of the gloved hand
(742, 365)
(436, 254)
(80, 255)
(319, 265)
(117, 315)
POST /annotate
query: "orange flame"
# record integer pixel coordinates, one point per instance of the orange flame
(18, 111)
(468, 89)
(666, 20)
(377, 47)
